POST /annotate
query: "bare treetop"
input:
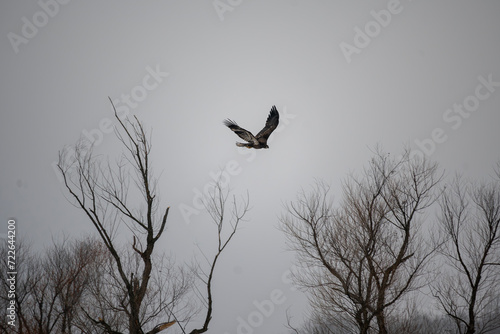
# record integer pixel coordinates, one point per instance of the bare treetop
(360, 257)
(138, 290)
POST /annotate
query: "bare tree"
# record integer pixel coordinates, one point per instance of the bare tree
(50, 286)
(469, 291)
(359, 259)
(102, 192)
(226, 223)
(136, 283)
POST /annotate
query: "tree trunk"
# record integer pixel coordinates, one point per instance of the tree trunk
(381, 324)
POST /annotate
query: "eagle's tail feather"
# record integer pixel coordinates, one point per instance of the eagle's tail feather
(243, 145)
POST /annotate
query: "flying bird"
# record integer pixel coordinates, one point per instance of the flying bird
(260, 140)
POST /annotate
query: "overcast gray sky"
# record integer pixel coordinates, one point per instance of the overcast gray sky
(344, 76)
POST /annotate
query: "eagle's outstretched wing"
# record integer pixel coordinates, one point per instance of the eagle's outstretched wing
(242, 133)
(272, 123)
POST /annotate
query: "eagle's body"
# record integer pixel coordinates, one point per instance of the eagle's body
(260, 140)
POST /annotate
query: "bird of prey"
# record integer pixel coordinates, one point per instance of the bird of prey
(260, 140)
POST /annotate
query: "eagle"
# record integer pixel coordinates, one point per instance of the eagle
(260, 140)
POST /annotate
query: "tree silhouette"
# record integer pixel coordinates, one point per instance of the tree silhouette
(136, 287)
(360, 258)
(469, 290)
